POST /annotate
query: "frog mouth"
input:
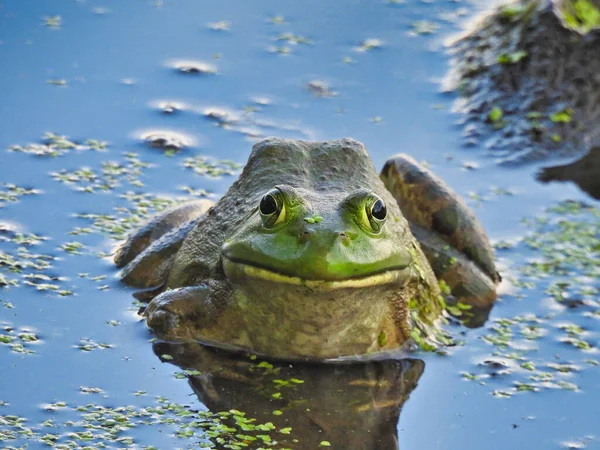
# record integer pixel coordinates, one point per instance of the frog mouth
(235, 269)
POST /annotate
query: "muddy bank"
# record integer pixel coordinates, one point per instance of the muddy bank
(528, 75)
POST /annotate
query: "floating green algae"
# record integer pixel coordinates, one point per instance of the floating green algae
(563, 266)
(11, 193)
(92, 425)
(56, 145)
(21, 264)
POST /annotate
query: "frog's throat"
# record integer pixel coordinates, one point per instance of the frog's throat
(237, 270)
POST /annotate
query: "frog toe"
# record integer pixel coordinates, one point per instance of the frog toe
(179, 314)
(163, 322)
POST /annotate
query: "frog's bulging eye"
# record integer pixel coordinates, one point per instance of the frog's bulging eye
(272, 208)
(378, 210)
(374, 214)
(268, 205)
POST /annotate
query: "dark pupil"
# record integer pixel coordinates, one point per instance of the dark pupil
(378, 210)
(268, 205)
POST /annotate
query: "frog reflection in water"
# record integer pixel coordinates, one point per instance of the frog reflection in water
(351, 406)
(312, 255)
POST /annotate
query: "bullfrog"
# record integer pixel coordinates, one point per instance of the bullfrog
(311, 255)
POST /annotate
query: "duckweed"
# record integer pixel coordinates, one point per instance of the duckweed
(97, 426)
(57, 145)
(112, 175)
(18, 341)
(207, 167)
(20, 265)
(565, 243)
(11, 193)
(424, 27)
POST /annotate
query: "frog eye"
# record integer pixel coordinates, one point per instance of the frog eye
(378, 210)
(272, 208)
(375, 213)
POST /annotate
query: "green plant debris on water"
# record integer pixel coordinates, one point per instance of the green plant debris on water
(88, 345)
(478, 198)
(195, 192)
(277, 20)
(57, 145)
(90, 390)
(53, 21)
(424, 27)
(57, 81)
(91, 425)
(11, 193)
(292, 38)
(223, 25)
(20, 265)
(565, 268)
(369, 44)
(572, 228)
(112, 174)
(206, 166)
(72, 247)
(17, 340)
(124, 220)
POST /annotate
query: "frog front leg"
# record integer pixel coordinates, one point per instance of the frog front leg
(147, 255)
(450, 235)
(182, 313)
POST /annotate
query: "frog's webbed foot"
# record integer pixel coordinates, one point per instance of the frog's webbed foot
(180, 314)
(450, 235)
(147, 254)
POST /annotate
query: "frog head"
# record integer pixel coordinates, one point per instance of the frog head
(321, 219)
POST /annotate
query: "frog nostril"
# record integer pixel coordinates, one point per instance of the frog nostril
(344, 238)
(305, 236)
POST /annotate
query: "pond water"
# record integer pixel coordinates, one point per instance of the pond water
(78, 366)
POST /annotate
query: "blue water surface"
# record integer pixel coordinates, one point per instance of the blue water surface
(117, 60)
